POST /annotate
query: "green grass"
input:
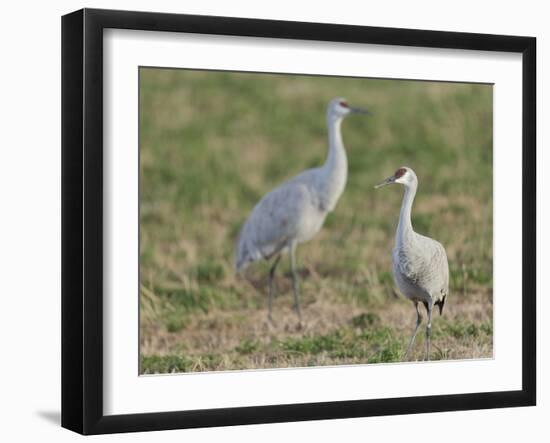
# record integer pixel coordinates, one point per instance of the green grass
(212, 143)
(461, 329)
(350, 344)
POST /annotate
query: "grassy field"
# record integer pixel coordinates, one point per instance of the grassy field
(212, 143)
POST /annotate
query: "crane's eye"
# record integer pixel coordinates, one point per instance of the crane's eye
(344, 104)
(400, 172)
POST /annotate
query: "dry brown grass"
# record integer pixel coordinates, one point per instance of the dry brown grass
(221, 331)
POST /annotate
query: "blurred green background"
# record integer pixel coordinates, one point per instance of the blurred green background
(213, 143)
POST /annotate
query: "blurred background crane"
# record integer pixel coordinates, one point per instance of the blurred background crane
(294, 212)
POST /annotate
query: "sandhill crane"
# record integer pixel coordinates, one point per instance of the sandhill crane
(294, 212)
(420, 267)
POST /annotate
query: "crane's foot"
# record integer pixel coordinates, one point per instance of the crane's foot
(428, 340)
(270, 322)
(300, 319)
(427, 354)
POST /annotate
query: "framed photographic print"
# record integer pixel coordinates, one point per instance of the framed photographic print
(269, 221)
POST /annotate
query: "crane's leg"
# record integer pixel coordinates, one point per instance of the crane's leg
(271, 288)
(418, 323)
(429, 307)
(295, 280)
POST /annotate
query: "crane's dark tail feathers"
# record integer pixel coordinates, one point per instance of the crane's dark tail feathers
(440, 304)
(243, 258)
(241, 261)
(240, 265)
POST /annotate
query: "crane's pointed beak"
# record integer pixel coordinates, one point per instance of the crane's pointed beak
(388, 181)
(358, 110)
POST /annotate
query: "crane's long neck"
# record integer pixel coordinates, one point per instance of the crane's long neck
(404, 229)
(335, 169)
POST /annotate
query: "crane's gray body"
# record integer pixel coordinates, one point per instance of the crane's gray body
(420, 269)
(291, 213)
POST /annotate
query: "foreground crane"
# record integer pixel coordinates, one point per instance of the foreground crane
(420, 267)
(294, 212)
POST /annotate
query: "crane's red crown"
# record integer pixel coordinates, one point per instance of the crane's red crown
(344, 104)
(400, 172)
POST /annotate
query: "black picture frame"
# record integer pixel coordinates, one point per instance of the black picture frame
(82, 220)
